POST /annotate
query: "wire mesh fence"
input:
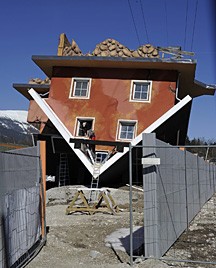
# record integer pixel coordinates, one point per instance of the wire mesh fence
(179, 204)
(21, 199)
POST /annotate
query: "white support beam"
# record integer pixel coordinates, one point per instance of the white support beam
(149, 129)
(163, 119)
(60, 127)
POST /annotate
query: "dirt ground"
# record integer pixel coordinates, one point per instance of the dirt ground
(78, 240)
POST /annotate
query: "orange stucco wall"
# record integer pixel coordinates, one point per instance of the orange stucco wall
(35, 114)
(109, 102)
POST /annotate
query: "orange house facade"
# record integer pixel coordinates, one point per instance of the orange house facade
(116, 99)
(109, 103)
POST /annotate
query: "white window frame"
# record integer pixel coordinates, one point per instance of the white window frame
(119, 126)
(101, 152)
(73, 88)
(132, 90)
(77, 124)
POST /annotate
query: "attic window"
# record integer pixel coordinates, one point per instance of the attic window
(141, 91)
(126, 130)
(80, 88)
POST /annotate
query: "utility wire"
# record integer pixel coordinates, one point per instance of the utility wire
(166, 22)
(144, 21)
(134, 23)
(194, 25)
(186, 19)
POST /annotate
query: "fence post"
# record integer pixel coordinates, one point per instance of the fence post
(186, 187)
(131, 206)
(151, 245)
(198, 178)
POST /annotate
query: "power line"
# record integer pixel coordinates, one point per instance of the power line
(186, 18)
(144, 21)
(194, 25)
(134, 23)
(166, 22)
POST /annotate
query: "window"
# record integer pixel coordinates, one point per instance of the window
(126, 130)
(100, 156)
(141, 91)
(83, 125)
(80, 88)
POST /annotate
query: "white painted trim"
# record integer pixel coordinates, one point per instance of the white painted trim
(60, 127)
(151, 161)
(132, 91)
(72, 88)
(101, 152)
(135, 122)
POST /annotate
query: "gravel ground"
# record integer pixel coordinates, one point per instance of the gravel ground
(79, 240)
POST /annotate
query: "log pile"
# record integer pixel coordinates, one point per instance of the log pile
(107, 48)
(147, 51)
(72, 50)
(39, 81)
(112, 48)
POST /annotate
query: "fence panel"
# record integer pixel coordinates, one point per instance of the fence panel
(21, 199)
(175, 192)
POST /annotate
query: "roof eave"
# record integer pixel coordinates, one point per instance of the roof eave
(204, 89)
(23, 89)
(46, 63)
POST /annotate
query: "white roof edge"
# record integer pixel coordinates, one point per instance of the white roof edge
(149, 129)
(60, 126)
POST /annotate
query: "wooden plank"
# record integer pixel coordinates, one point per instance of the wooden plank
(98, 206)
(43, 186)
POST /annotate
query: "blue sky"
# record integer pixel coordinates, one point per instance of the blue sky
(30, 27)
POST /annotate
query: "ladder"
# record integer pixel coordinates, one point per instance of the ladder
(90, 155)
(95, 180)
(63, 170)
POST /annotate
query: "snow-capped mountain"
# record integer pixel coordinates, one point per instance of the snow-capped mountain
(15, 129)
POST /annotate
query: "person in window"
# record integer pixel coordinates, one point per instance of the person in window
(91, 135)
(83, 129)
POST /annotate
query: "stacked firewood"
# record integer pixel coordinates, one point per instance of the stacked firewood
(107, 48)
(113, 48)
(39, 81)
(72, 50)
(147, 51)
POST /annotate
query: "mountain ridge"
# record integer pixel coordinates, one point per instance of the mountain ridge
(14, 128)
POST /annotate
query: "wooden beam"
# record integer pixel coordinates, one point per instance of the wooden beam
(43, 186)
